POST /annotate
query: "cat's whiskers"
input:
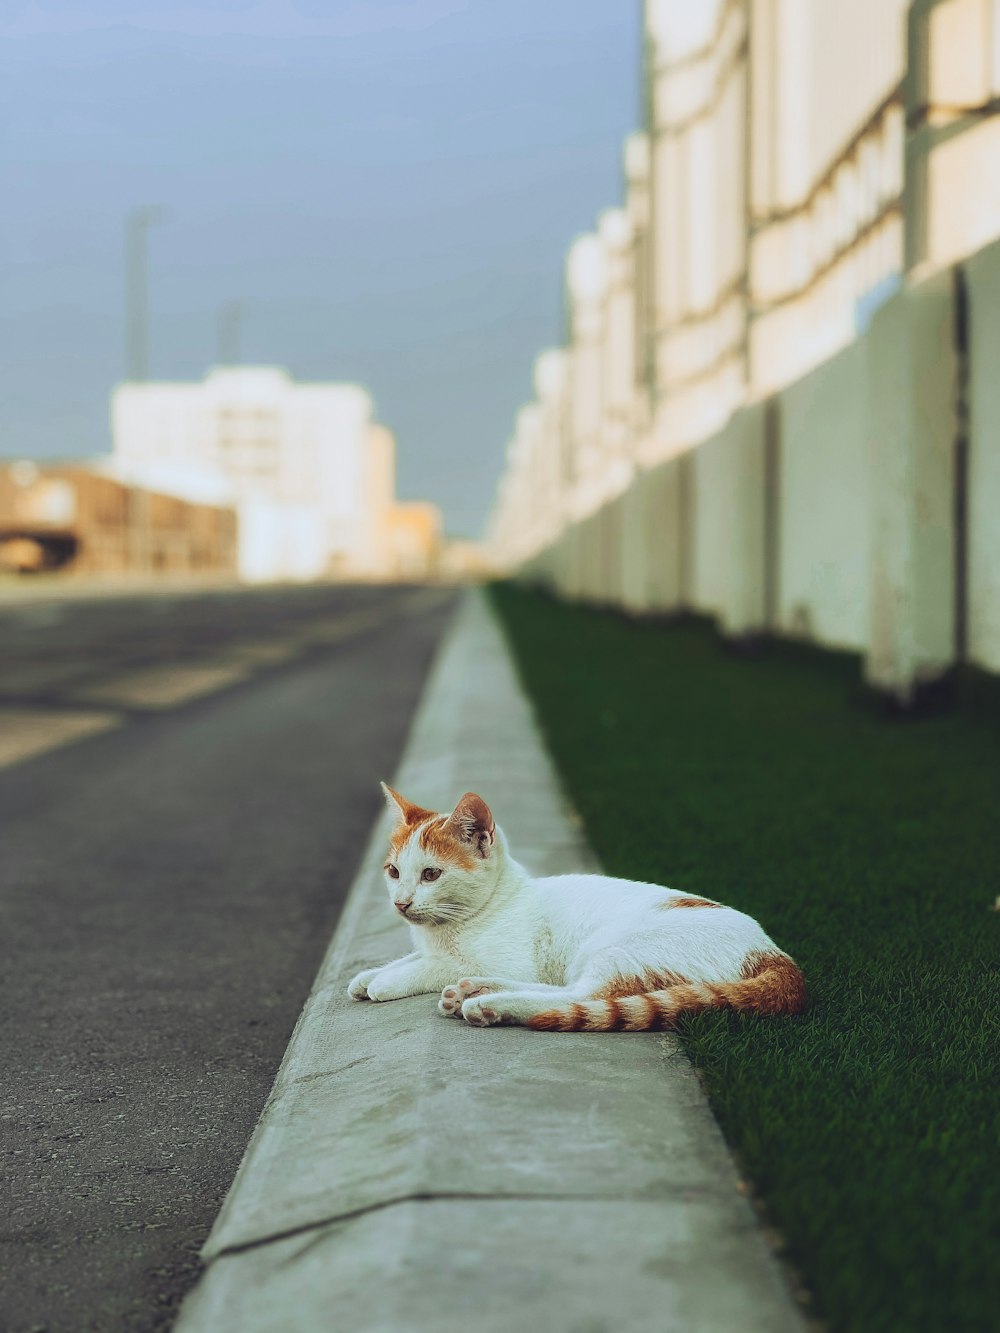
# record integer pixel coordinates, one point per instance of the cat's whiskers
(440, 914)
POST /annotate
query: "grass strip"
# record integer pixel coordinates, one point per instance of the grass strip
(868, 848)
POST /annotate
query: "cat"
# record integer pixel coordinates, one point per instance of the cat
(567, 954)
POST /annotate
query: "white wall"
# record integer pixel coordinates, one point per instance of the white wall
(823, 541)
(727, 524)
(982, 274)
(795, 205)
(651, 540)
(913, 387)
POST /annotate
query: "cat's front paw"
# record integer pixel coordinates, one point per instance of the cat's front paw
(358, 988)
(454, 997)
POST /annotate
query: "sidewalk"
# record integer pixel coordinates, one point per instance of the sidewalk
(410, 1173)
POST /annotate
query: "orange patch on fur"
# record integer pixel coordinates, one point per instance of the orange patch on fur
(551, 1021)
(611, 1021)
(410, 818)
(619, 987)
(433, 825)
(771, 984)
(689, 902)
(571, 1018)
(410, 814)
(774, 983)
(398, 838)
(683, 1000)
(642, 1013)
(436, 839)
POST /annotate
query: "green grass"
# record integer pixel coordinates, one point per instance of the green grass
(868, 848)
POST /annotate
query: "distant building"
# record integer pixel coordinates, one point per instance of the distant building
(74, 518)
(244, 473)
(413, 539)
(311, 474)
(463, 561)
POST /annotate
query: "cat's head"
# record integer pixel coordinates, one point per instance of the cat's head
(441, 868)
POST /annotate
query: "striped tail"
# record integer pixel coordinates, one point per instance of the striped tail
(771, 984)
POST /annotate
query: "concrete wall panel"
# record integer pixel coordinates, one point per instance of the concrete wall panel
(589, 539)
(913, 386)
(727, 524)
(982, 274)
(830, 512)
(616, 551)
(635, 552)
(664, 531)
(650, 537)
(824, 503)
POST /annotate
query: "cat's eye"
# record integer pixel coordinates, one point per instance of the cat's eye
(430, 875)
(393, 872)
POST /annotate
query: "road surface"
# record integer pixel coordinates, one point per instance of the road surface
(186, 786)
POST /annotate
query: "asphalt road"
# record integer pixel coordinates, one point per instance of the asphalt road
(167, 889)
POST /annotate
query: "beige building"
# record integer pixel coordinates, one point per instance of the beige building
(309, 471)
(73, 518)
(776, 404)
(413, 540)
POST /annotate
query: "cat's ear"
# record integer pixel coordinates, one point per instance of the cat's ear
(402, 810)
(472, 821)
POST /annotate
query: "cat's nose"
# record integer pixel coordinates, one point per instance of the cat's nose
(403, 905)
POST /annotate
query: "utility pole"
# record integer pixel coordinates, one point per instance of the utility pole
(230, 322)
(137, 225)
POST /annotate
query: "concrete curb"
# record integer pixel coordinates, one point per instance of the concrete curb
(412, 1173)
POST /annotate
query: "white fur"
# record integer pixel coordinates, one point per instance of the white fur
(528, 943)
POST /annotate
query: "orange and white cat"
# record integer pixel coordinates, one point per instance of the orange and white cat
(571, 953)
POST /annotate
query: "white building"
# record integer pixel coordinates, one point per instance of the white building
(308, 470)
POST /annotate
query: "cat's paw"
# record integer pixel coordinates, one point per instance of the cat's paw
(357, 989)
(454, 997)
(480, 1012)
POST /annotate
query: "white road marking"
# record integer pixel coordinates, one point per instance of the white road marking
(335, 628)
(163, 686)
(26, 732)
(262, 652)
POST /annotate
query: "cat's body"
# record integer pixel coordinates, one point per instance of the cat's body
(570, 953)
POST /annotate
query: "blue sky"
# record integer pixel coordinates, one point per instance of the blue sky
(390, 187)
